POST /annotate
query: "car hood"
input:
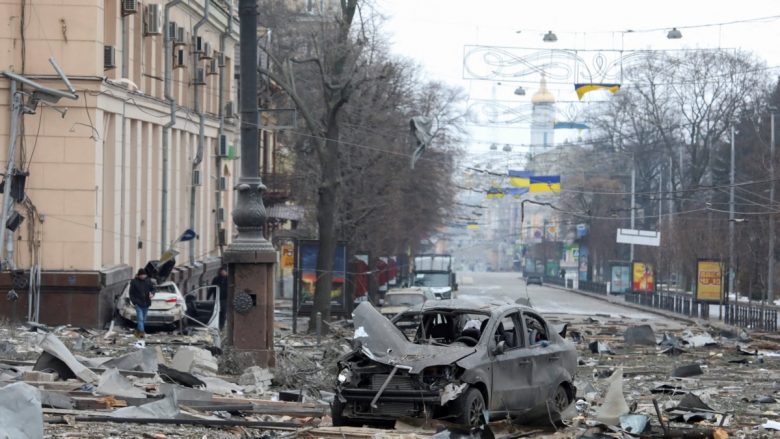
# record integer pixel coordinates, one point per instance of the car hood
(381, 341)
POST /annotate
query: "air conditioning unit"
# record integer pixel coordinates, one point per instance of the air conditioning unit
(220, 59)
(231, 110)
(196, 178)
(221, 214)
(129, 7)
(178, 61)
(222, 148)
(200, 76)
(206, 54)
(109, 57)
(172, 30)
(213, 69)
(222, 184)
(180, 38)
(197, 44)
(153, 24)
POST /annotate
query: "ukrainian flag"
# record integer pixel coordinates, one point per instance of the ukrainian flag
(545, 183)
(494, 193)
(581, 89)
(519, 178)
(516, 191)
(472, 226)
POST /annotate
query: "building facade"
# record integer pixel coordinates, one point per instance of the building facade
(144, 152)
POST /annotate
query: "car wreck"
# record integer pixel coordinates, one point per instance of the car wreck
(454, 360)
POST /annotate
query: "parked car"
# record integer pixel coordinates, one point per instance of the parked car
(168, 304)
(399, 300)
(533, 279)
(453, 360)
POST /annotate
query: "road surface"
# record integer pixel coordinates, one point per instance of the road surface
(547, 300)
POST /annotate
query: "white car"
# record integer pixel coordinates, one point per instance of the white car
(399, 300)
(168, 305)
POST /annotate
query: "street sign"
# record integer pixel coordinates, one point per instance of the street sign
(639, 237)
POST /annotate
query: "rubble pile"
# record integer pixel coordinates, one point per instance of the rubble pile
(635, 378)
(658, 379)
(70, 382)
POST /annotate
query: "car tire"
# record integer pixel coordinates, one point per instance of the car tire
(560, 399)
(470, 408)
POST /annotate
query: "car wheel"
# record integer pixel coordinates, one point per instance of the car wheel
(561, 399)
(472, 407)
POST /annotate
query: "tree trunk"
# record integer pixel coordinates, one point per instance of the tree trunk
(326, 220)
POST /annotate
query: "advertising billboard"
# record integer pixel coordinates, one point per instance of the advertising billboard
(306, 276)
(709, 281)
(642, 279)
(620, 278)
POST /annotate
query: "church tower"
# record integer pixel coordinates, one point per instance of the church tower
(542, 119)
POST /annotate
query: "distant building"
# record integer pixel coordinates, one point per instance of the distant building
(97, 173)
(542, 119)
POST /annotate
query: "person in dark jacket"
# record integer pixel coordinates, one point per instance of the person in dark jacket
(141, 292)
(221, 281)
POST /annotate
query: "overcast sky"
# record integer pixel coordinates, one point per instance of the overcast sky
(434, 33)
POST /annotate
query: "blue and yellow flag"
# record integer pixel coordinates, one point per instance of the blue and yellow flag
(516, 191)
(581, 89)
(472, 226)
(546, 183)
(494, 193)
(570, 126)
(519, 178)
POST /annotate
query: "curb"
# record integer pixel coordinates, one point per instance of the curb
(647, 309)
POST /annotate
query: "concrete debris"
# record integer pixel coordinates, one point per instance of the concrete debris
(113, 383)
(54, 347)
(221, 387)
(195, 360)
(38, 376)
(256, 376)
(144, 360)
(698, 340)
(21, 414)
(640, 335)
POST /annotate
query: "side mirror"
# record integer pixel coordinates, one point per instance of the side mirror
(500, 347)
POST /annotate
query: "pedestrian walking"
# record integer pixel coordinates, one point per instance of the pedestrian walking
(221, 281)
(141, 292)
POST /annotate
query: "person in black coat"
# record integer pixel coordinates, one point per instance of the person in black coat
(221, 281)
(141, 292)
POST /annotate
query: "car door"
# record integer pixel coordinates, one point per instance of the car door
(545, 367)
(512, 382)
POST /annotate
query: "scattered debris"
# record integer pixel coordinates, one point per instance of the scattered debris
(640, 335)
(687, 371)
(21, 414)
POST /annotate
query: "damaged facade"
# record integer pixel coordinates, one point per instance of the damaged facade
(100, 166)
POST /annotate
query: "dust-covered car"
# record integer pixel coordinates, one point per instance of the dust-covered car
(401, 299)
(168, 304)
(453, 360)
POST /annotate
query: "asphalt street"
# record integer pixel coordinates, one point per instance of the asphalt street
(479, 286)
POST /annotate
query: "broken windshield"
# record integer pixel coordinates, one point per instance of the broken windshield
(443, 327)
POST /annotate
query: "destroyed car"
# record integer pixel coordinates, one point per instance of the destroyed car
(454, 360)
(168, 304)
(399, 300)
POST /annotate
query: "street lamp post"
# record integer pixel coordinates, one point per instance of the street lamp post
(250, 256)
(770, 293)
(732, 270)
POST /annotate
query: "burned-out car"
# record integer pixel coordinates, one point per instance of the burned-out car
(453, 360)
